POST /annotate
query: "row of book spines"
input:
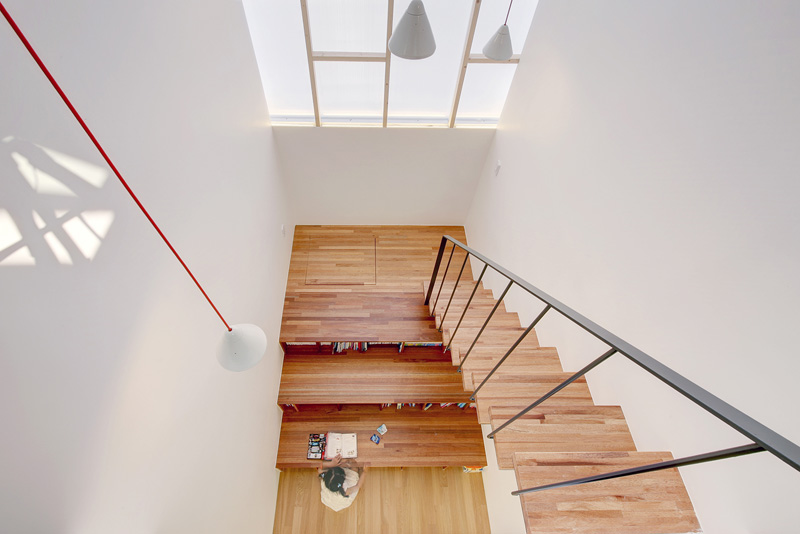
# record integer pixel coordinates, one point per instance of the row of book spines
(428, 405)
(337, 347)
(342, 346)
(362, 346)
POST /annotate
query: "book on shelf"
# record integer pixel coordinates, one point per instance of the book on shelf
(344, 444)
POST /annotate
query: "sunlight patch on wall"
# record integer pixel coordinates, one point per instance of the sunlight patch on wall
(9, 233)
(9, 237)
(40, 181)
(88, 230)
(22, 256)
(59, 250)
(38, 221)
(51, 226)
(88, 172)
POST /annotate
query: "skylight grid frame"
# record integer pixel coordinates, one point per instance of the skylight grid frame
(348, 56)
(462, 73)
(451, 119)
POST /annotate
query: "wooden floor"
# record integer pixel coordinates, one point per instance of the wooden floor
(447, 436)
(392, 501)
(379, 375)
(361, 283)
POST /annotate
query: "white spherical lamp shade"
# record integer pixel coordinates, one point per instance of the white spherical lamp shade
(499, 46)
(413, 37)
(242, 347)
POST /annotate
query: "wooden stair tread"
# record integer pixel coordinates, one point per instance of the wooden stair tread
(481, 367)
(476, 367)
(492, 349)
(560, 428)
(517, 393)
(481, 301)
(461, 296)
(476, 321)
(494, 335)
(561, 438)
(651, 503)
(546, 414)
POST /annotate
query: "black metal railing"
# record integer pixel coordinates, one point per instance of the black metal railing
(764, 439)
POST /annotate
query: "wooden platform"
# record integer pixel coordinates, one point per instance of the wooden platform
(438, 436)
(380, 375)
(361, 283)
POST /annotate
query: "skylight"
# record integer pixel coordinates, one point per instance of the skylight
(344, 73)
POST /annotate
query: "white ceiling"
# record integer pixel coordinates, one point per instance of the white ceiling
(421, 92)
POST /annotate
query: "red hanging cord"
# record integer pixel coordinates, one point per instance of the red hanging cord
(103, 152)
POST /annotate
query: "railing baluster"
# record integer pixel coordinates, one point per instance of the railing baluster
(514, 346)
(436, 266)
(435, 302)
(474, 289)
(681, 462)
(454, 290)
(497, 305)
(555, 390)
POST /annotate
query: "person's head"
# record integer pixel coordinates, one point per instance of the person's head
(334, 479)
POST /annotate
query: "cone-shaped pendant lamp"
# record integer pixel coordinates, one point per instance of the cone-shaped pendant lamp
(243, 345)
(413, 37)
(499, 46)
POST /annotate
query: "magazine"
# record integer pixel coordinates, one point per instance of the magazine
(316, 446)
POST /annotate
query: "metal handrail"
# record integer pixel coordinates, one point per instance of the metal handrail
(763, 436)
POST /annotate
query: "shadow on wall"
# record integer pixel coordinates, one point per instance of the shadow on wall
(51, 211)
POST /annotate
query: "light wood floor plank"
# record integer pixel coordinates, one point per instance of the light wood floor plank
(392, 501)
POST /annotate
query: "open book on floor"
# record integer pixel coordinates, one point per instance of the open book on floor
(344, 444)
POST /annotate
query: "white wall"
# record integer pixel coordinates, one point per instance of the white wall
(115, 414)
(649, 180)
(382, 176)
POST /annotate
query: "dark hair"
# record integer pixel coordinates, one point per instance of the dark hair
(334, 479)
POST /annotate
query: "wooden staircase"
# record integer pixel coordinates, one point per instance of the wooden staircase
(566, 437)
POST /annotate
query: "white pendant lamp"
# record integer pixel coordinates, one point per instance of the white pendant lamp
(499, 46)
(243, 345)
(413, 37)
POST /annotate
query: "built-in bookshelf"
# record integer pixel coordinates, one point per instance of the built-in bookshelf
(338, 347)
